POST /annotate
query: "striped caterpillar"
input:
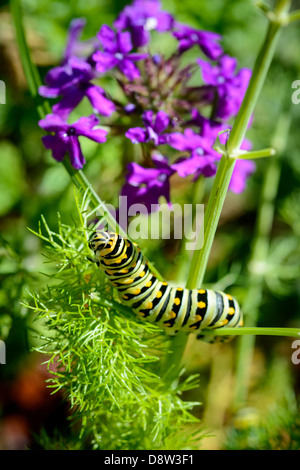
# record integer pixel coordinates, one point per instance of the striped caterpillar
(172, 308)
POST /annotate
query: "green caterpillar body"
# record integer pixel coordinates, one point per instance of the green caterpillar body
(172, 308)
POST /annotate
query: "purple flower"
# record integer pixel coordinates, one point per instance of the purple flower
(75, 47)
(154, 127)
(146, 185)
(72, 81)
(206, 40)
(65, 137)
(116, 53)
(202, 156)
(141, 17)
(230, 86)
(242, 170)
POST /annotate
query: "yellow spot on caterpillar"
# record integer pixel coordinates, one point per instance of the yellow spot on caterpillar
(201, 291)
(224, 322)
(180, 288)
(127, 281)
(149, 305)
(229, 297)
(167, 324)
(193, 327)
(159, 294)
(142, 274)
(125, 297)
(201, 304)
(109, 271)
(172, 314)
(142, 314)
(177, 301)
(124, 271)
(198, 318)
(164, 283)
(133, 265)
(148, 284)
(231, 311)
(136, 291)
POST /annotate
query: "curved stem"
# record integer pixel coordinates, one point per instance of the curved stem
(43, 108)
(259, 254)
(277, 18)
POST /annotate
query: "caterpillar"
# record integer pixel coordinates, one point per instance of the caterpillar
(172, 308)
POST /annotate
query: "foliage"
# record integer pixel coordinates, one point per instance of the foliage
(105, 361)
(34, 184)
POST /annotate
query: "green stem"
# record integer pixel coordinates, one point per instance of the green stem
(212, 214)
(277, 19)
(258, 257)
(249, 331)
(237, 134)
(43, 108)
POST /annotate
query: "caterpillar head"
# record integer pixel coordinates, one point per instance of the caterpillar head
(102, 243)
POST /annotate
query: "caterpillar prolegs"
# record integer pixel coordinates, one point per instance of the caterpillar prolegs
(172, 308)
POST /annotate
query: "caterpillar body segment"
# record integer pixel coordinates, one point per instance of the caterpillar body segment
(172, 308)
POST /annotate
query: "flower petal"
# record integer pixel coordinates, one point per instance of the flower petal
(76, 156)
(136, 135)
(58, 147)
(85, 127)
(100, 103)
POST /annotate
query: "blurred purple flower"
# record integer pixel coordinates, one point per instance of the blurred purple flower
(242, 170)
(206, 40)
(153, 130)
(230, 86)
(146, 185)
(74, 46)
(72, 81)
(141, 17)
(116, 53)
(65, 138)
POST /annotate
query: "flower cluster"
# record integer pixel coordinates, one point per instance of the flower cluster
(176, 123)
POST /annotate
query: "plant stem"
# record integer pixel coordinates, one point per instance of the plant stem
(43, 108)
(222, 179)
(237, 134)
(249, 331)
(258, 257)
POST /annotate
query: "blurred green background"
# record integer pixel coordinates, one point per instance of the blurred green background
(32, 183)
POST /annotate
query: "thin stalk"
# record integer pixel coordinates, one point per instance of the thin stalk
(277, 18)
(256, 331)
(257, 259)
(43, 108)
(237, 134)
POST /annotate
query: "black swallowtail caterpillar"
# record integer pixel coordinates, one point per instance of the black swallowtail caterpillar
(172, 308)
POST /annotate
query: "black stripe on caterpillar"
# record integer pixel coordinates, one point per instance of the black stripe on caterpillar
(172, 308)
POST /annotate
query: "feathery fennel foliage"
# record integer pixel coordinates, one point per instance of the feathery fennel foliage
(102, 357)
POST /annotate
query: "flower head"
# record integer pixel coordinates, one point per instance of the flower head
(153, 130)
(141, 17)
(116, 53)
(72, 82)
(206, 40)
(65, 137)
